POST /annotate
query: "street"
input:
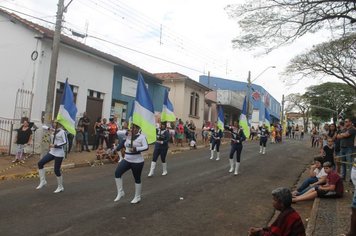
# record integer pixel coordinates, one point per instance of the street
(197, 197)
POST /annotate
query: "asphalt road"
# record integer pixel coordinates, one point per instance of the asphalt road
(197, 197)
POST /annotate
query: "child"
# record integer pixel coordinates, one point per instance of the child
(79, 139)
(100, 153)
(114, 157)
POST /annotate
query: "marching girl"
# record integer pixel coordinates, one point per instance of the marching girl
(57, 154)
(264, 133)
(216, 135)
(237, 137)
(161, 148)
(135, 144)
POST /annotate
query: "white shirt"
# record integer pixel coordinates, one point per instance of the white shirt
(59, 140)
(321, 173)
(140, 143)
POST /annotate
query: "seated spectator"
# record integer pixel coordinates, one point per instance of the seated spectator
(114, 157)
(317, 177)
(288, 221)
(100, 153)
(334, 187)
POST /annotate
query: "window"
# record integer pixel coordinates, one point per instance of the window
(194, 104)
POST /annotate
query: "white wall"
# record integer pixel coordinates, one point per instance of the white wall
(83, 70)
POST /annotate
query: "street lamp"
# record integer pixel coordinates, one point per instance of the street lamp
(249, 82)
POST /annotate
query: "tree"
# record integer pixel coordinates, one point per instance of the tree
(329, 99)
(273, 23)
(335, 58)
(298, 102)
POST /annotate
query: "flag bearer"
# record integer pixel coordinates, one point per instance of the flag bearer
(57, 154)
(135, 144)
(216, 135)
(237, 137)
(161, 149)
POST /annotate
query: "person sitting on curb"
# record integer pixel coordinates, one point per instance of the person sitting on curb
(334, 187)
(317, 177)
(288, 221)
(100, 153)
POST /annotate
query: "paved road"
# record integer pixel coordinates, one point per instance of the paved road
(214, 201)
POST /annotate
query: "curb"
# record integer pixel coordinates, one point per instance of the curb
(310, 230)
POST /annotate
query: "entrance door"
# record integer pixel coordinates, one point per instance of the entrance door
(94, 111)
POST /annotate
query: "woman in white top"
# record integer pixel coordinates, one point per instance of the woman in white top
(57, 154)
(135, 144)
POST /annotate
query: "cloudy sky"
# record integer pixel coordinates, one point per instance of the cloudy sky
(189, 37)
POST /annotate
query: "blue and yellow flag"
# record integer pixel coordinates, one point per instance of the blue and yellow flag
(243, 120)
(67, 110)
(267, 120)
(167, 110)
(143, 112)
(220, 118)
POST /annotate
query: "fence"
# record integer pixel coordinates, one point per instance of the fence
(6, 128)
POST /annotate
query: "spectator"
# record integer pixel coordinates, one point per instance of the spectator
(205, 133)
(97, 126)
(334, 187)
(252, 133)
(180, 133)
(84, 122)
(104, 133)
(329, 152)
(100, 153)
(346, 137)
(352, 231)
(338, 147)
(23, 137)
(317, 176)
(112, 128)
(79, 139)
(288, 221)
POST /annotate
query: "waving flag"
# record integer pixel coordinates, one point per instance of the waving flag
(243, 120)
(167, 110)
(220, 118)
(143, 112)
(67, 110)
(267, 120)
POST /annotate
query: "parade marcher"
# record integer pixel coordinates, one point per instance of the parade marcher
(237, 137)
(56, 153)
(264, 133)
(216, 135)
(23, 137)
(135, 144)
(161, 149)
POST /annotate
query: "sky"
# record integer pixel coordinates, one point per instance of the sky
(190, 37)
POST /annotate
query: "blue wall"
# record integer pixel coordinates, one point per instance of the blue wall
(225, 84)
(155, 88)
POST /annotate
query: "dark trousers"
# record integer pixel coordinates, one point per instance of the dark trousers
(263, 141)
(57, 163)
(136, 169)
(236, 148)
(160, 151)
(85, 140)
(215, 143)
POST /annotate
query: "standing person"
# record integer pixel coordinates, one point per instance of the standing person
(328, 152)
(264, 133)
(288, 221)
(23, 137)
(135, 144)
(216, 135)
(112, 128)
(180, 133)
(57, 154)
(237, 137)
(346, 137)
(97, 126)
(85, 122)
(352, 231)
(338, 146)
(161, 149)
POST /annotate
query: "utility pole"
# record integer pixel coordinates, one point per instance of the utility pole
(248, 95)
(54, 62)
(282, 118)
